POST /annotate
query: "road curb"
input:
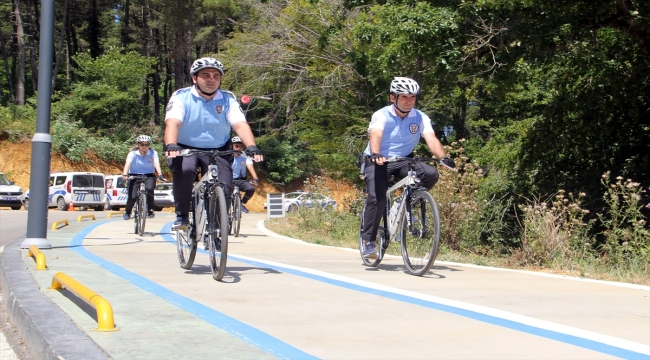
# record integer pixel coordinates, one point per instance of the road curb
(47, 332)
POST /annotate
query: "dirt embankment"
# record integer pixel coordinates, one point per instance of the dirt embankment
(15, 163)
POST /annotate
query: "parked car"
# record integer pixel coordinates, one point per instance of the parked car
(294, 200)
(116, 192)
(82, 189)
(163, 196)
(10, 195)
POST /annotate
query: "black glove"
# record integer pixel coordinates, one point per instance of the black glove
(255, 181)
(161, 178)
(173, 147)
(252, 151)
(375, 156)
(449, 162)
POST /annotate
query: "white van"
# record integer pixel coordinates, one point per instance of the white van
(116, 192)
(10, 195)
(83, 189)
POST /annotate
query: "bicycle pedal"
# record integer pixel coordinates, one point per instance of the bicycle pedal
(180, 227)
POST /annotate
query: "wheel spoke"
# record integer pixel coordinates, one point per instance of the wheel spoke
(421, 238)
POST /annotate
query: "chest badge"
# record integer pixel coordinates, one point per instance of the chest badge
(218, 109)
(413, 128)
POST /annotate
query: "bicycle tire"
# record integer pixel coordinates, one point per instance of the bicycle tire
(186, 243)
(421, 238)
(136, 223)
(379, 240)
(236, 214)
(218, 232)
(142, 213)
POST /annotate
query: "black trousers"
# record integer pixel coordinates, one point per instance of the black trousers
(376, 178)
(149, 185)
(184, 170)
(247, 188)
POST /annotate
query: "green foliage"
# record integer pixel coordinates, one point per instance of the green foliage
(77, 143)
(284, 161)
(109, 90)
(626, 232)
(17, 121)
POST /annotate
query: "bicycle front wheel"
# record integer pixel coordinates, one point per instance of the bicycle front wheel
(218, 232)
(142, 213)
(186, 247)
(421, 234)
(379, 240)
(136, 214)
(236, 214)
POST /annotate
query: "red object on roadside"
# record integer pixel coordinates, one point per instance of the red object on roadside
(245, 99)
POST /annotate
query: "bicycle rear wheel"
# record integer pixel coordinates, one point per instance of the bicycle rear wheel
(142, 213)
(421, 234)
(236, 214)
(379, 240)
(218, 232)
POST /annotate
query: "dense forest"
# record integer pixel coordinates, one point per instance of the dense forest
(545, 95)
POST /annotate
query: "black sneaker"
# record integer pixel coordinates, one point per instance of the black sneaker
(151, 214)
(182, 221)
(369, 250)
(243, 209)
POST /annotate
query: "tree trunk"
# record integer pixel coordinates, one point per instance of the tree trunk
(94, 30)
(6, 61)
(20, 47)
(125, 24)
(32, 46)
(59, 52)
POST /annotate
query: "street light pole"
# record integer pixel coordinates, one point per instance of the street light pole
(42, 141)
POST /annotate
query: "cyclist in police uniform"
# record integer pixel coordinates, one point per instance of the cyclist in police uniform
(239, 166)
(395, 130)
(141, 160)
(201, 117)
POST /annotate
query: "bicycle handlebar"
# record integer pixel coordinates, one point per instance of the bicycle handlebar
(409, 159)
(190, 152)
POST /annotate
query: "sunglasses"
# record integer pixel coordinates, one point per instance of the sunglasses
(143, 144)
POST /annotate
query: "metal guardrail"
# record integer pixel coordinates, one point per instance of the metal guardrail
(40, 257)
(85, 217)
(56, 224)
(104, 309)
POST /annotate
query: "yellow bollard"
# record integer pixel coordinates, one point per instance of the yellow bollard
(85, 217)
(104, 309)
(40, 258)
(56, 224)
(113, 213)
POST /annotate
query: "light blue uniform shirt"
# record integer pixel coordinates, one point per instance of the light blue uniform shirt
(400, 135)
(142, 164)
(206, 123)
(239, 167)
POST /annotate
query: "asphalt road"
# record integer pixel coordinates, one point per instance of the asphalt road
(13, 224)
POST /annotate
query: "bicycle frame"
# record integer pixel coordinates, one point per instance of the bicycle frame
(406, 184)
(199, 191)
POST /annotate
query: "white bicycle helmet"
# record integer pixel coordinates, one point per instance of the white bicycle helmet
(144, 138)
(206, 63)
(236, 139)
(404, 85)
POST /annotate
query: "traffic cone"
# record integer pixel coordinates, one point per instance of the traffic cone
(71, 206)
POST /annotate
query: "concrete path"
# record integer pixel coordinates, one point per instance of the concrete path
(287, 299)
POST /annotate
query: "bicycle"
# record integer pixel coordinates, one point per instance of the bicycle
(208, 219)
(140, 211)
(412, 219)
(235, 209)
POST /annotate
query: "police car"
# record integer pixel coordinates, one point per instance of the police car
(10, 195)
(295, 200)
